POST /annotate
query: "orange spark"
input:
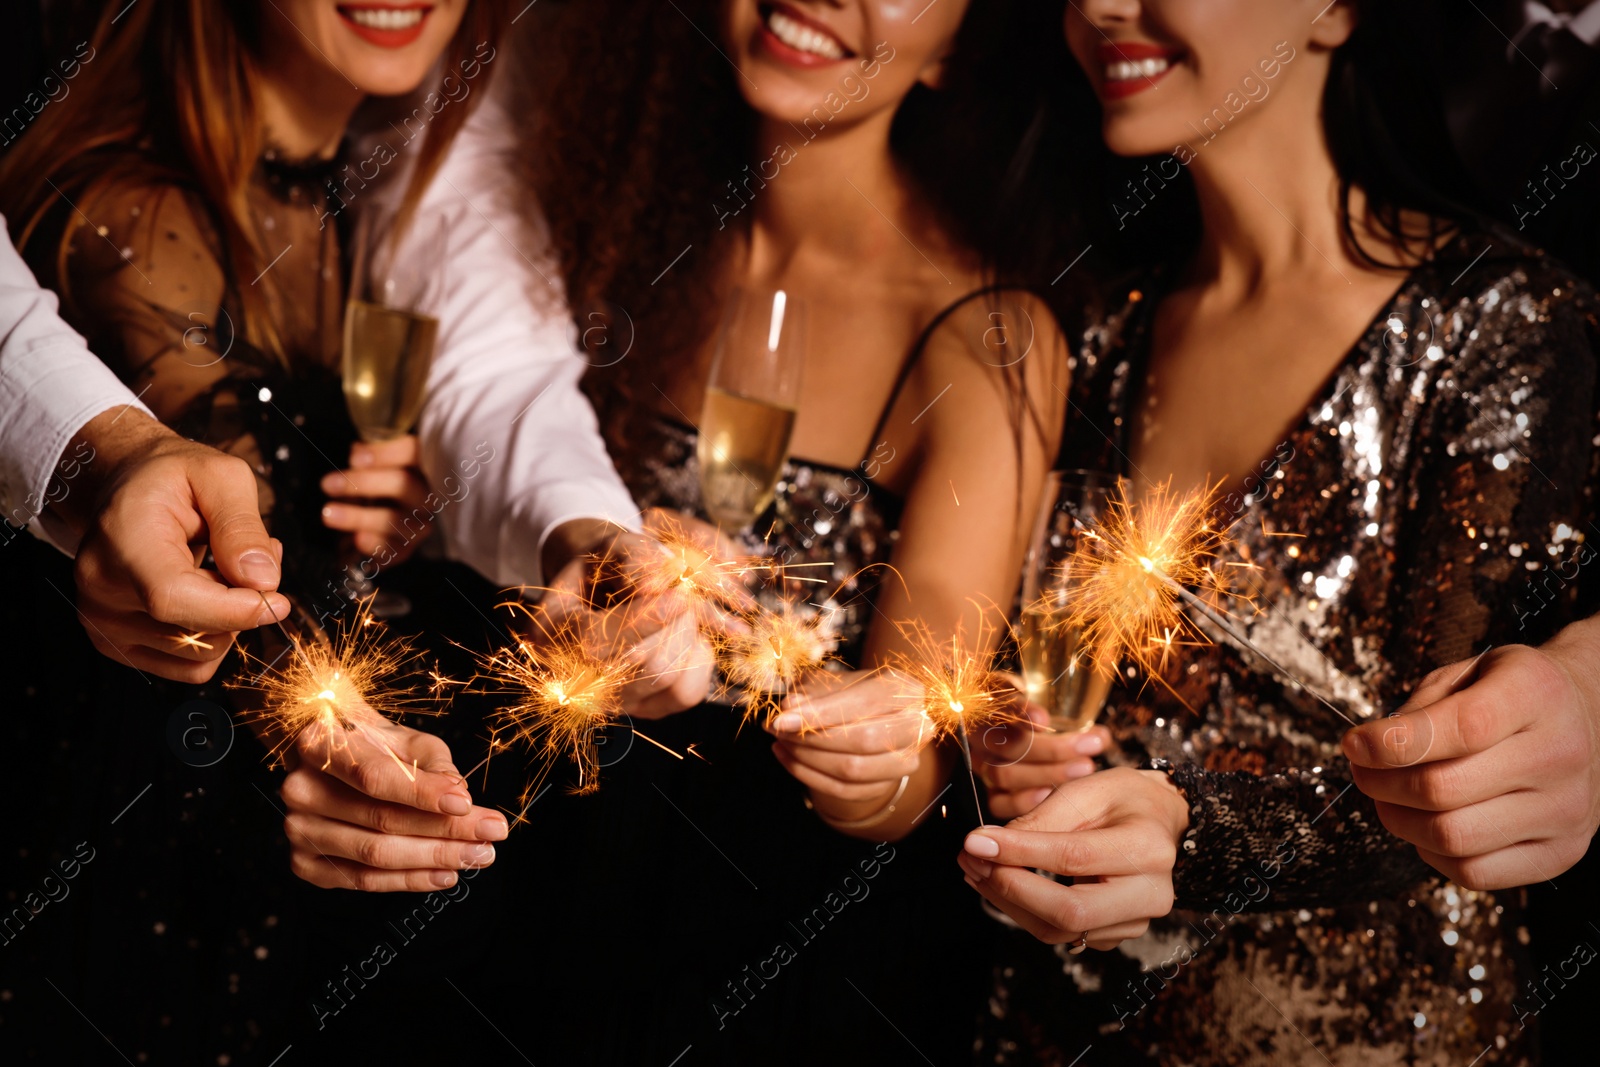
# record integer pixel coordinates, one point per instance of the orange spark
(773, 651)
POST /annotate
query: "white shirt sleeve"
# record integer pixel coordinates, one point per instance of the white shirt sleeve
(50, 385)
(507, 437)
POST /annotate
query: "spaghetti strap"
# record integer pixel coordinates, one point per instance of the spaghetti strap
(915, 353)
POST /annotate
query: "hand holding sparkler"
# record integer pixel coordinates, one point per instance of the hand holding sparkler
(394, 817)
(851, 737)
(645, 598)
(1023, 759)
(1115, 832)
(373, 805)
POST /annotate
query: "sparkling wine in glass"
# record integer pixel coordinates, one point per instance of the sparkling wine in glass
(1056, 668)
(750, 403)
(389, 328)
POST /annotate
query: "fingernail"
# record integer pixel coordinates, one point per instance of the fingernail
(969, 881)
(788, 722)
(330, 513)
(492, 829)
(259, 567)
(1091, 745)
(1037, 797)
(266, 616)
(1356, 748)
(334, 484)
(981, 868)
(1078, 768)
(480, 856)
(982, 845)
(444, 879)
(360, 457)
(455, 804)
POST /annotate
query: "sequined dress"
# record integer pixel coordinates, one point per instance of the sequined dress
(1439, 494)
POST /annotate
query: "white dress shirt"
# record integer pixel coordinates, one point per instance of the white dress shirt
(502, 395)
(50, 385)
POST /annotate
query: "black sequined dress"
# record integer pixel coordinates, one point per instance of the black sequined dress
(1439, 491)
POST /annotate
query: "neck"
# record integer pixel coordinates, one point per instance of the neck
(304, 110)
(1268, 193)
(809, 203)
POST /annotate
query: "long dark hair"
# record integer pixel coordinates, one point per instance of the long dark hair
(641, 145)
(1384, 123)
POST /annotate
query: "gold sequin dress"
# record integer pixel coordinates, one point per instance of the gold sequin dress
(1435, 499)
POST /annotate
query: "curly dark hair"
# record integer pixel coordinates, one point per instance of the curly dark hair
(636, 135)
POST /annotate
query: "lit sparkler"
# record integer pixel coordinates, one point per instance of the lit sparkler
(772, 652)
(957, 688)
(565, 696)
(1136, 576)
(331, 689)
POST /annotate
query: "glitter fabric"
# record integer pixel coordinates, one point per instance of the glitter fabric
(1434, 500)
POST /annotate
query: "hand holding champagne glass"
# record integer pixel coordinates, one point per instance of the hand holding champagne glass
(389, 335)
(751, 398)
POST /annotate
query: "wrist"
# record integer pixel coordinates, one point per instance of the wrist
(105, 447)
(1171, 805)
(574, 538)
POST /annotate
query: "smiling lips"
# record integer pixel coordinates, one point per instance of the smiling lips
(386, 25)
(797, 39)
(1132, 67)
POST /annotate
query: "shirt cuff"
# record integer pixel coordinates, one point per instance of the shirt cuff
(526, 530)
(42, 422)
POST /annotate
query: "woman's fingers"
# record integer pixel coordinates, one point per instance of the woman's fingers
(1130, 848)
(377, 483)
(336, 840)
(397, 452)
(311, 791)
(1068, 910)
(325, 873)
(886, 731)
(1026, 776)
(829, 785)
(1005, 805)
(1109, 937)
(854, 766)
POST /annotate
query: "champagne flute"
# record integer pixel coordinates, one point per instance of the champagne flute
(389, 335)
(1057, 670)
(389, 332)
(751, 397)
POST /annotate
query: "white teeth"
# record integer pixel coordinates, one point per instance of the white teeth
(386, 18)
(803, 38)
(1129, 70)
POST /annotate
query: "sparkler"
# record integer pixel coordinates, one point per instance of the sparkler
(774, 651)
(1133, 575)
(334, 688)
(565, 696)
(956, 688)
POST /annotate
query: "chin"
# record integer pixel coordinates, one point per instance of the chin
(1133, 139)
(389, 79)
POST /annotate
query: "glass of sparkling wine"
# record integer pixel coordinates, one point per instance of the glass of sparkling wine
(389, 334)
(389, 331)
(1056, 668)
(751, 398)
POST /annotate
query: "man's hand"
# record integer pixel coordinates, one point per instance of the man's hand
(1492, 768)
(659, 633)
(154, 503)
(387, 812)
